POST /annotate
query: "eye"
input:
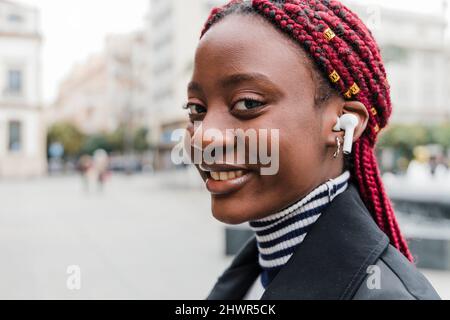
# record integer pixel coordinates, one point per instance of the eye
(248, 104)
(195, 109)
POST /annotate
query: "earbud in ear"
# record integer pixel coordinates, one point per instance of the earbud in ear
(348, 123)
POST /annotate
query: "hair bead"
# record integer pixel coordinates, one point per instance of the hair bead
(334, 76)
(329, 34)
(354, 90)
(376, 128)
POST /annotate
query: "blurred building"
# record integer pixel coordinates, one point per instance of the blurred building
(22, 130)
(81, 98)
(128, 60)
(413, 43)
(174, 29)
(110, 89)
(416, 53)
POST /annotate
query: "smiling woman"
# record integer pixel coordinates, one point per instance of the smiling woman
(299, 68)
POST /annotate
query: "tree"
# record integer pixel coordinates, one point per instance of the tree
(69, 136)
(441, 135)
(95, 142)
(116, 139)
(404, 138)
(140, 142)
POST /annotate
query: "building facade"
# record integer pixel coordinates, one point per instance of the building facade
(414, 45)
(81, 98)
(415, 50)
(109, 89)
(22, 128)
(174, 30)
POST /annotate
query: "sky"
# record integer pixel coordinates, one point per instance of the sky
(415, 5)
(75, 29)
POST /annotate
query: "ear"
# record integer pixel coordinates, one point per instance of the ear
(358, 109)
(336, 110)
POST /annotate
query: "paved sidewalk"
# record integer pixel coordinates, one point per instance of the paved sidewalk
(135, 241)
(143, 238)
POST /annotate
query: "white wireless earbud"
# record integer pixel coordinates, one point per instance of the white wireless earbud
(348, 123)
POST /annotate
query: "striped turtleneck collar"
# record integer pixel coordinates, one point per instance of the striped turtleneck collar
(279, 234)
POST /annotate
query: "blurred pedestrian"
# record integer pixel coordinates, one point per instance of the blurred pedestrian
(101, 167)
(85, 167)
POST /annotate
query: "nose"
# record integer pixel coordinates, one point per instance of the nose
(211, 134)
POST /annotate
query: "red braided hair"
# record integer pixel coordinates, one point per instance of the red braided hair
(345, 51)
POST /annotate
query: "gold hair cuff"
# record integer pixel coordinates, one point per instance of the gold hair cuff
(354, 90)
(335, 77)
(377, 128)
(329, 34)
(374, 111)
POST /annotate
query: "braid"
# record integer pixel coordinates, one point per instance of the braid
(343, 57)
(344, 52)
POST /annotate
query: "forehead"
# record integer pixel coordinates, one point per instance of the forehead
(249, 44)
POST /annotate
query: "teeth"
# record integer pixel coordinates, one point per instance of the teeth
(224, 176)
(215, 175)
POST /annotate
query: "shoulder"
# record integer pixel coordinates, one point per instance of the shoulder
(393, 277)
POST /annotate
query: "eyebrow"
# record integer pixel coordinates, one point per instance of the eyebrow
(194, 86)
(237, 79)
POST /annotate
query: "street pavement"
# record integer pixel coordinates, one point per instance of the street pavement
(143, 237)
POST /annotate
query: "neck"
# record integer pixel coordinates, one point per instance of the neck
(280, 234)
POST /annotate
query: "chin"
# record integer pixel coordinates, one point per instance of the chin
(232, 212)
(230, 219)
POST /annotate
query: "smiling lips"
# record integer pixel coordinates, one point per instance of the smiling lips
(225, 179)
(224, 176)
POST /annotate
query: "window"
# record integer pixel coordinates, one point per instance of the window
(15, 79)
(394, 54)
(15, 136)
(15, 18)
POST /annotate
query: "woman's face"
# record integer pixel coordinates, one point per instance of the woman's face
(247, 75)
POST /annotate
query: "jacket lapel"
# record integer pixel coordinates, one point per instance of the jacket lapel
(332, 261)
(238, 278)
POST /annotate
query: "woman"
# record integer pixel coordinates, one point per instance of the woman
(325, 228)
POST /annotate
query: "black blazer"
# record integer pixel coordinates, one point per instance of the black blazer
(332, 262)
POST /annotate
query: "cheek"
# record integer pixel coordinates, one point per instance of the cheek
(300, 142)
(300, 153)
(299, 163)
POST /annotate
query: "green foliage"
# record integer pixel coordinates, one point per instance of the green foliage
(140, 142)
(441, 135)
(116, 139)
(76, 143)
(69, 136)
(404, 138)
(95, 142)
